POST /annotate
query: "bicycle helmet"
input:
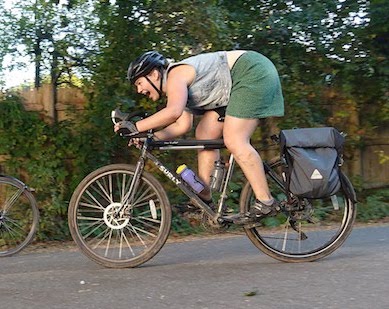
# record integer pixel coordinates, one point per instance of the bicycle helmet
(144, 64)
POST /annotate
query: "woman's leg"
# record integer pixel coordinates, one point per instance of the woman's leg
(237, 133)
(208, 128)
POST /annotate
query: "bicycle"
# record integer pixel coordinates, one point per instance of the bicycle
(120, 215)
(19, 215)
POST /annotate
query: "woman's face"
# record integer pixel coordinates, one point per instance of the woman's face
(143, 85)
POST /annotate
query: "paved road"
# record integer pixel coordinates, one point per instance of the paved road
(207, 273)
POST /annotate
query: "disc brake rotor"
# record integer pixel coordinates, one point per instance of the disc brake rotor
(113, 219)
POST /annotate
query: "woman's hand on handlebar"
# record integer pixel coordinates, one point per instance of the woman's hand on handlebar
(126, 128)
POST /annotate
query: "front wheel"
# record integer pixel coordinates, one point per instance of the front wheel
(113, 229)
(304, 232)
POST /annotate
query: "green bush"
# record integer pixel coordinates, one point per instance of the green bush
(53, 158)
(373, 205)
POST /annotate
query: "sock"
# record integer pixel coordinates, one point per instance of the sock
(267, 203)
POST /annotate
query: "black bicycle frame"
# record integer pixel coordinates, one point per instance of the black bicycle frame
(149, 145)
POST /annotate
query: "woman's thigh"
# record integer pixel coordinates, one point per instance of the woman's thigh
(209, 127)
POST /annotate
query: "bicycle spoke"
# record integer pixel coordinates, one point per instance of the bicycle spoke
(144, 232)
(95, 228)
(128, 245)
(98, 204)
(13, 228)
(11, 200)
(106, 193)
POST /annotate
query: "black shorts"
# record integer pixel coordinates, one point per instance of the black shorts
(220, 110)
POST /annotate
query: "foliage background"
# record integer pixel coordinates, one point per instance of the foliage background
(332, 57)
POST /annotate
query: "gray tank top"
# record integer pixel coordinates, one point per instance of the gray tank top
(212, 85)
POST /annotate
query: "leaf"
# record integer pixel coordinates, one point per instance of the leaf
(251, 293)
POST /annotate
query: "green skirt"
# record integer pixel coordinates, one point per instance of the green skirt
(256, 88)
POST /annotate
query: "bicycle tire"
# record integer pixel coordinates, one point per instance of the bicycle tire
(323, 229)
(119, 240)
(19, 216)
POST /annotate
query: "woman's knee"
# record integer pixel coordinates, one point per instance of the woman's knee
(229, 143)
(234, 145)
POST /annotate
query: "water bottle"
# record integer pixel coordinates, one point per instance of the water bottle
(190, 178)
(217, 176)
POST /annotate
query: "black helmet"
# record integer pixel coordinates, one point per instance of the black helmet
(144, 64)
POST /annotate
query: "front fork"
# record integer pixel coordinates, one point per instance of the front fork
(128, 199)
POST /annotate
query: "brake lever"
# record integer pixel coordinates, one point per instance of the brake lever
(122, 116)
(118, 114)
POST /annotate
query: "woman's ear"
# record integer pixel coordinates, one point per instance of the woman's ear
(154, 75)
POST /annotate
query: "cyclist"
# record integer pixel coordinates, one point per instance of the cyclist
(243, 85)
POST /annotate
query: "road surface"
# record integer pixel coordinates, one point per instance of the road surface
(219, 272)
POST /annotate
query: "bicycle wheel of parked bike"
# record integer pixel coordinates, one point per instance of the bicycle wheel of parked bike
(115, 225)
(306, 231)
(19, 216)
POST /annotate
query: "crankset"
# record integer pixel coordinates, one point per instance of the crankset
(213, 226)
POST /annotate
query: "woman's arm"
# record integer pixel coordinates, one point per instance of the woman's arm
(177, 96)
(181, 126)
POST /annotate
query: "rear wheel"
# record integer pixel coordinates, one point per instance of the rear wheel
(306, 231)
(19, 216)
(114, 236)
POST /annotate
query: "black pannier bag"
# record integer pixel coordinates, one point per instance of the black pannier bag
(313, 157)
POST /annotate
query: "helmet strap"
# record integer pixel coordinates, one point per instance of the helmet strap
(155, 87)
